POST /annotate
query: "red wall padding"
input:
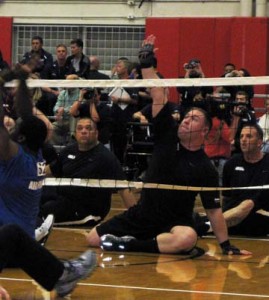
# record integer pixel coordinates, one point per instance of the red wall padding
(215, 41)
(6, 37)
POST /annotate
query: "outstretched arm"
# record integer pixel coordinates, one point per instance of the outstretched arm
(8, 148)
(158, 94)
(23, 100)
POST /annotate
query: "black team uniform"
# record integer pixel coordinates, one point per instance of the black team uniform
(71, 204)
(159, 210)
(239, 173)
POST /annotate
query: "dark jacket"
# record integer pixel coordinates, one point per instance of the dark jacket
(84, 65)
(44, 64)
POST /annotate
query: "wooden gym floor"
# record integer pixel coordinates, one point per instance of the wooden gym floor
(129, 276)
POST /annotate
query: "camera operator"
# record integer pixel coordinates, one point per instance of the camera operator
(217, 144)
(194, 95)
(232, 90)
(242, 113)
(89, 104)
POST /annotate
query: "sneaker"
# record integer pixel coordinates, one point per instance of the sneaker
(42, 233)
(75, 270)
(111, 242)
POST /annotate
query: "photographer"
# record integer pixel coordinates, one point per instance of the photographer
(232, 90)
(242, 113)
(89, 105)
(217, 144)
(194, 95)
(64, 124)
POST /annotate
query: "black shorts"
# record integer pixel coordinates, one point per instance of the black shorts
(141, 226)
(253, 225)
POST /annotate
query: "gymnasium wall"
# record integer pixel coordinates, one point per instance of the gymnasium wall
(6, 38)
(215, 41)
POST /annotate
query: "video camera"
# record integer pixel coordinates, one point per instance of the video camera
(223, 108)
(243, 109)
(89, 93)
(193, 63)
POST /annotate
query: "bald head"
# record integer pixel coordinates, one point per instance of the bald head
(95, 62)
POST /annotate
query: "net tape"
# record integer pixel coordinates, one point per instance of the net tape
(106, 183)
(112, 183)
(226, 81)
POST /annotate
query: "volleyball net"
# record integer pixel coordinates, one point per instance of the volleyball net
(148, 83)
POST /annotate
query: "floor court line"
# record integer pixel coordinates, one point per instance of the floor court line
(174, 290)
(152, 289)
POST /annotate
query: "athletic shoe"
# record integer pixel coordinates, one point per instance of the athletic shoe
(42, 233)
(75, 270)
(111, 242)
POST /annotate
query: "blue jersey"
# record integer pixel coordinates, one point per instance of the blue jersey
(21, 180)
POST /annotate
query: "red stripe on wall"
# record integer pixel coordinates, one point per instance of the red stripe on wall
(6, 37)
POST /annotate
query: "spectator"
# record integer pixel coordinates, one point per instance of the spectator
(113, 73)
(193, 96)
(94, 69)
(44, 59)
(217, 143)
(122, 111)
(86, 158)
(264, 123)
(60, 69)
(228, 69)
(232, 90)
(17, 249)
(95, 74)
(161, 222)
(78, 60)
(89, 105)
(64, 124)
(242, 113)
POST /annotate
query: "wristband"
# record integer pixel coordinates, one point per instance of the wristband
(225, 244)
(227, 248)
(146, 55)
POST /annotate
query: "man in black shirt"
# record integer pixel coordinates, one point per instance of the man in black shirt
(87, 158)
(162, 222)
(43, 58)
(247, 211)
(78, 60)
(242, 114)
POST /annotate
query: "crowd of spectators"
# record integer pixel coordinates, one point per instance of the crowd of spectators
(212, 131)
(230, 107)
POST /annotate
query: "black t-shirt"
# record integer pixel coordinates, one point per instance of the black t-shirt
(97, 163)
(239, 173)
(174, 165)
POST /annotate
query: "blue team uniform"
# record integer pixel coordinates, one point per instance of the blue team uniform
(21, 180)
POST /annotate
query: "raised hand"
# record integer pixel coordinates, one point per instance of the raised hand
(147, 51)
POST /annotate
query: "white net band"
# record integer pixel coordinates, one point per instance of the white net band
(227, 81)
(111, 183)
